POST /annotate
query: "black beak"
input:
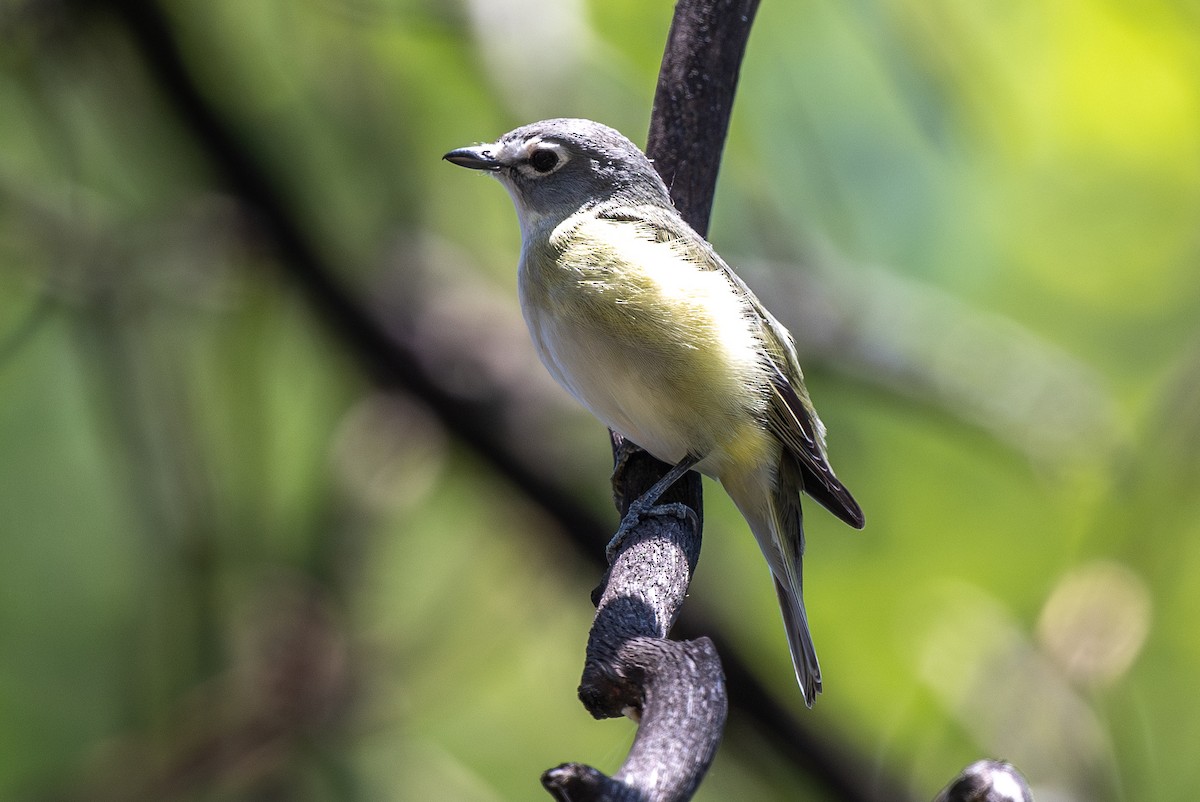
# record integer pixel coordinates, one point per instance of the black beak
(476, 158)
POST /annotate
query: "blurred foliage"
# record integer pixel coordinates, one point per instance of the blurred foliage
(232, 569)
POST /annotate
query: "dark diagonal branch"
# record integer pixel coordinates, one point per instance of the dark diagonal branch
(381, 357)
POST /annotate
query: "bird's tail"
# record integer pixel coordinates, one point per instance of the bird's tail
(778, 524)
(804, 654)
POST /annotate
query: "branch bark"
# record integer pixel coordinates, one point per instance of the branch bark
(694, 100)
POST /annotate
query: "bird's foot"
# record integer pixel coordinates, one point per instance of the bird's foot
(637, 511)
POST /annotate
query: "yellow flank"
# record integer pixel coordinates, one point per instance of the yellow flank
(661, 349)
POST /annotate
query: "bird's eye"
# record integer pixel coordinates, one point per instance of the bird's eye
(543, 160)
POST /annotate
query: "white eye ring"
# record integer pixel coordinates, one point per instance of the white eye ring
(542, 158)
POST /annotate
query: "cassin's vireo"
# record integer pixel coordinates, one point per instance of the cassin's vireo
(636, 315)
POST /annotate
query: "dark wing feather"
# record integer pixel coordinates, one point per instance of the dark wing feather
(791, 421)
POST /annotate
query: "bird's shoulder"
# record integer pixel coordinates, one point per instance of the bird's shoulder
(616, 232)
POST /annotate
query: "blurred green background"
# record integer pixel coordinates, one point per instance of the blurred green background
(233, 568)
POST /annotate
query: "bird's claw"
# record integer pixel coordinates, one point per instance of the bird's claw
(634, 516)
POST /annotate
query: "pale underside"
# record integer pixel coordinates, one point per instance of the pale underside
(663, 351)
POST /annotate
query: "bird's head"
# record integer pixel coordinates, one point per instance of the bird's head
(554, 168)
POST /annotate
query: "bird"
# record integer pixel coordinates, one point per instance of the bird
(636, 316)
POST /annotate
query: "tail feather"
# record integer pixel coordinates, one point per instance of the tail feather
(770, 502)
(804, 654)
(788, 536)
